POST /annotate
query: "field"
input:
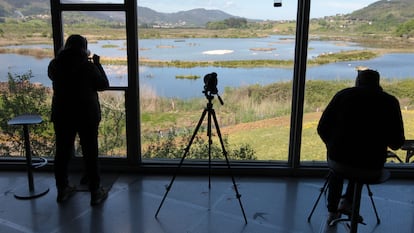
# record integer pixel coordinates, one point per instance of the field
(260, 120)
(270, 137)
(263, 121)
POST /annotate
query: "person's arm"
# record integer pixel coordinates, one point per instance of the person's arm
(396, 130)
(51, 70)
(102, 81)
(325, 124)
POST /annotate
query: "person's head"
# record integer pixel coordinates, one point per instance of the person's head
(368, 78)
(77, 43)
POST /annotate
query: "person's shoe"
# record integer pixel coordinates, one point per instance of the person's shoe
(345, 207)
(65, 193)
(98, 196)
(332, 216)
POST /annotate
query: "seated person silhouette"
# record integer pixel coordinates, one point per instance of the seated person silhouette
(358, 126)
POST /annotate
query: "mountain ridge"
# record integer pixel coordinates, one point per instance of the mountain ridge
(392, 11)
(190, 18)
(395, 10)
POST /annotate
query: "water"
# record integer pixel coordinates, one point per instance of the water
(162, 81)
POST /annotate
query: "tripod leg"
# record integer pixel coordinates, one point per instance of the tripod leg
(373, 204)
(355, 208)
(209, 145)
(186, 150)
(323, 189)
(238, 196)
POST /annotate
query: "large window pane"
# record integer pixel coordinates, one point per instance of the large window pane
(106, 35)
(351, 41)
(24, 87)
(254, 64)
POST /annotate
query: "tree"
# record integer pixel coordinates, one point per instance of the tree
(227, 23)
(406, 29)
(112, 130)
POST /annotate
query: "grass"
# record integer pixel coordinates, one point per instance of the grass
(270, 138)
(35, 52)
(188, 76)
(269, 141)
(320, 60)
(260, 116)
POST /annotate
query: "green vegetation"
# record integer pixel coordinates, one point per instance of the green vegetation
(106, 46)
(20, 96)
(35, 52)
(253, 119)
(191, 77)
(406, 29)
(355, 55)
(173, 144)
(319, 60)
(227, 23)
(259, 116)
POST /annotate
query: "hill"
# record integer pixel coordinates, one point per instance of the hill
(191, 18)
(146, 16)
(381, 18)
(391, 11)
(17, 8)
(386, 10)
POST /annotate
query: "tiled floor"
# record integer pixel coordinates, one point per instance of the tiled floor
(272, 205)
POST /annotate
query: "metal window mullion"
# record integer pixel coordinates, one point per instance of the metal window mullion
(299, 80)
(92, 7)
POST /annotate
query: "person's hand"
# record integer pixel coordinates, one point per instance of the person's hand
(96, 59)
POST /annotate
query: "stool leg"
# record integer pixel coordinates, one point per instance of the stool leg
(373, 204)
(323, 189)
(28, 157)
(355, 207)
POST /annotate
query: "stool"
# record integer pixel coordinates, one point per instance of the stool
(409, 147)
(360, 177)
(40, 189)
(392, 155)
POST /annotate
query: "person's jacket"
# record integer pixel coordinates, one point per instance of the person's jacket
(359, 125)
(76, 81)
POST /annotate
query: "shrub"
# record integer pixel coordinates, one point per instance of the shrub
(20, 96)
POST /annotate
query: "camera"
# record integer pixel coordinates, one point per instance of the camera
(210, 83)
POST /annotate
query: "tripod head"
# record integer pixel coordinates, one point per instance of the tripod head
(210, 87)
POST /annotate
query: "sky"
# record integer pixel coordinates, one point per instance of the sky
(259, 9)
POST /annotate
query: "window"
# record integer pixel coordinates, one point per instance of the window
(340, 45)
(253, 61)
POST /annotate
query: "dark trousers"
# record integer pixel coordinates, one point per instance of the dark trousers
(65, 139)
(335, 187)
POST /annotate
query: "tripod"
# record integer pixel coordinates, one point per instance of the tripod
(211, 114)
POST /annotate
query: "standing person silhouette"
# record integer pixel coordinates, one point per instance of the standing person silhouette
(76, 111)
(358, 126)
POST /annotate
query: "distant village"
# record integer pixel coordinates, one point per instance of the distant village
(19, 15)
